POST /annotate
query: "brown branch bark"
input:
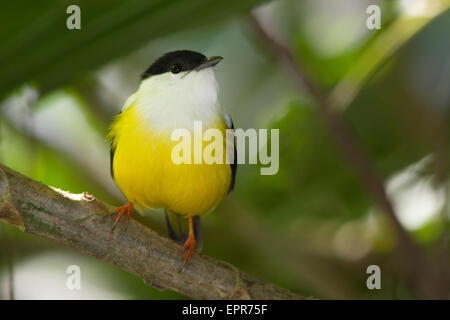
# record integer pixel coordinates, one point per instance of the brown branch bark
(422, 278)
(83, 222)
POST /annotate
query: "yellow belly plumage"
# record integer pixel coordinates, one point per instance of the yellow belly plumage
(144, 171)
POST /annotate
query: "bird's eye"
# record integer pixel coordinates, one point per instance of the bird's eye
(176, 68)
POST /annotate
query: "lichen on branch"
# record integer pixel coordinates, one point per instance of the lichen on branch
(83, 222)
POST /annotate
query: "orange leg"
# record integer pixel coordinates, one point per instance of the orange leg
(189, 245)
(123, 210)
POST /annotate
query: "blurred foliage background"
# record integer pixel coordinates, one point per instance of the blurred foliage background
(312, 228)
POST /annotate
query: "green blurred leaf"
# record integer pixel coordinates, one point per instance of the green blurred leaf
(37, 46)
(314, 179)
(380, 50)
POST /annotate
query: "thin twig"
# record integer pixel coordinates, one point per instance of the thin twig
(10, 266)
(423, 281)
(8, 251)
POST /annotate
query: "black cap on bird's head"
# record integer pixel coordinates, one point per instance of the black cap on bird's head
(178, 61)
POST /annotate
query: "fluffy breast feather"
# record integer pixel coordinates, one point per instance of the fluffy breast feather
(144, 171)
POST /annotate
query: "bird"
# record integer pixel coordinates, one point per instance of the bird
(176, 90)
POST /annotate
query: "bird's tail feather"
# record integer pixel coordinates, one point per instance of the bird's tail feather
(178, 228)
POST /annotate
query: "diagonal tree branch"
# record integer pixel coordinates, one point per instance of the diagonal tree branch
(83, 222)
(420, 276)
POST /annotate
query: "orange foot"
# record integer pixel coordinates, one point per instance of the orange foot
(123, 210)
(189, 245)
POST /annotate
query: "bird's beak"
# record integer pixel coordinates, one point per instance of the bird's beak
(211, 62)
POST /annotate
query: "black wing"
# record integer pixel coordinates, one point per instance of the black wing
(111, 158)
(233, 165)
